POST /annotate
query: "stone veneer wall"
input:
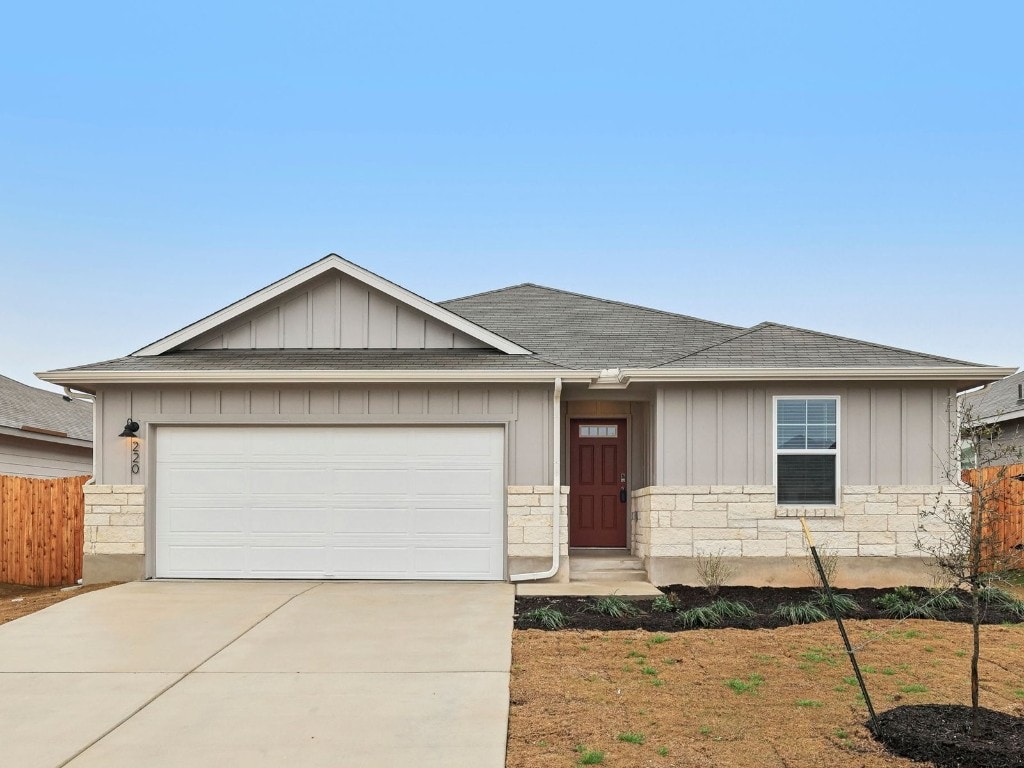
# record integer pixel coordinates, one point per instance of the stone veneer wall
(115, 519)
(733, 520)
(529, 520)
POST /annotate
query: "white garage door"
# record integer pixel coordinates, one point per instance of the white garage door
(330, 502)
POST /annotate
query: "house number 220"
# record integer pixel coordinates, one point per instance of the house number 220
(135, 457)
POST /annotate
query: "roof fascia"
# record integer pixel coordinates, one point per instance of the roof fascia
(314, 270)
(959, 374)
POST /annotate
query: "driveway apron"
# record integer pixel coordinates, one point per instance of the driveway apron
(260, 674)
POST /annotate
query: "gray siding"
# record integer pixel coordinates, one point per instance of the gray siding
(526, 410)
(34, 458)
(889, 434)
(334, 312)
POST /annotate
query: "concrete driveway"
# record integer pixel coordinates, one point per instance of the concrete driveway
(260, 674)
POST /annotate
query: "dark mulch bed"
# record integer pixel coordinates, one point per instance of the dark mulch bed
(939, 733)
(763, 600)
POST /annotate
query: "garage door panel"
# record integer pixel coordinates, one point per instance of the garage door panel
(212, 519)
(287, 561)
(288, 481)
(294, 520)
(194, 481)
(370, 562)
(374, 502)
(371, 481)
(208, 560)
(446, 561)
(373, 522)
(453, 482)
(454, 521)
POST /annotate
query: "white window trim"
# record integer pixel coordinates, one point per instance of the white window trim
(776, 451)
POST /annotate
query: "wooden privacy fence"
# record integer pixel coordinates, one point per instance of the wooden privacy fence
(1003, 535)
(41, 530)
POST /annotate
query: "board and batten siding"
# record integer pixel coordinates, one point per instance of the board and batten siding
(36, 458)
(526, 410)
(334, 312)
(890, 434)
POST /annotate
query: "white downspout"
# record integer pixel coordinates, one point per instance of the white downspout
(556, 495)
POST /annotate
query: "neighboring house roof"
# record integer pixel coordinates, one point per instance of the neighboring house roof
(998, 401)
(22, 406)
(524, 332)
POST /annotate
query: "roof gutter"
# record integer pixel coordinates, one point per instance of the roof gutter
(597, 379)
(556, 490)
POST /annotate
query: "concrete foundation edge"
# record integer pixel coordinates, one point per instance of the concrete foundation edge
(99, 569)
(793, 571)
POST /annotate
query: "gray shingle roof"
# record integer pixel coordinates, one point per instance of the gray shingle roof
(770, 345)
(569, 331)
(998, 398)
(25, 406)
(319, 359)
(586, 332)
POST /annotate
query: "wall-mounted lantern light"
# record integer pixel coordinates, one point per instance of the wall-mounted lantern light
(131, 429)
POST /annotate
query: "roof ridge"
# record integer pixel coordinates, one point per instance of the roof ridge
(713, 344)
(600, 299)
(870, 343)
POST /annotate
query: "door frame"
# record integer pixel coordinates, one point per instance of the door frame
(568, 457)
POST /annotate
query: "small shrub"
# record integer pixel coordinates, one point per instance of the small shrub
(1000, 598)
(649, 670)
(663, 604)
(944, 600)
(829, 564)
(614, 606)
(631, 738)
(731, 609)
(713, 571)
(800, 613)
(845, 604)
(547, 617)
(701, 616)
(903, 603)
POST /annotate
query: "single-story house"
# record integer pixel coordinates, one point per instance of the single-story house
(336, 425)
(999, 406)
(43, 434)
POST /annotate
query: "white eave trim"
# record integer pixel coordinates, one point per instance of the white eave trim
(909, 373)
(591, 377)
(326, 264)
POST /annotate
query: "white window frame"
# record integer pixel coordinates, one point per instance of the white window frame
(776, 451)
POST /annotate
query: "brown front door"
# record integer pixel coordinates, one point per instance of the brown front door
(597, 483)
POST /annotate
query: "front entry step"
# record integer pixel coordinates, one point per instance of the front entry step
(605, 565)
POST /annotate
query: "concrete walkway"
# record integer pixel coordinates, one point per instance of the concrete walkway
(214, 674)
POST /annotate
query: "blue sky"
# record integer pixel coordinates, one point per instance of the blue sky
(852, 168)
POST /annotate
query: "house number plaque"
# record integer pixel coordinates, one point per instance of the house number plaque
(136, 453)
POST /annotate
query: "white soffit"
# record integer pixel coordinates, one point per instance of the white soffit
(326, 264)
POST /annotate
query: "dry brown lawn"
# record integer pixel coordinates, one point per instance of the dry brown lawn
(783, 697)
